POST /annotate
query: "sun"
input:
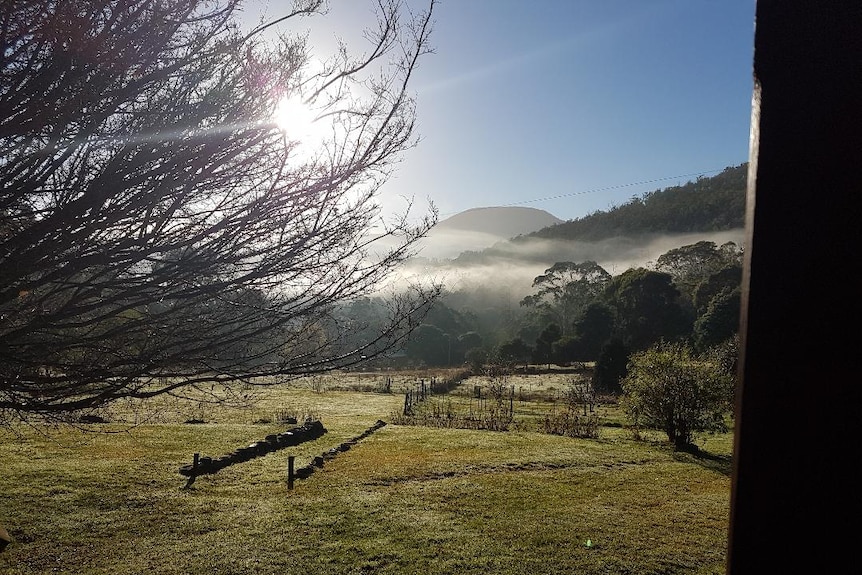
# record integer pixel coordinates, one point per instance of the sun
(295, 119)
(302, 126)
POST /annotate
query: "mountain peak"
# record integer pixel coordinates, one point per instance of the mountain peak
(481, 228)
(501, 221)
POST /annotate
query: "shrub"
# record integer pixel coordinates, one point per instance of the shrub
(669, 387)
(569, 421)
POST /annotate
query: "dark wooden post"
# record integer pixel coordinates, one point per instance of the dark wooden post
(290, 459)
(803, 175)
(195, 462)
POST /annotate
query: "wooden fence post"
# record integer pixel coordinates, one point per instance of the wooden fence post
(290, 472)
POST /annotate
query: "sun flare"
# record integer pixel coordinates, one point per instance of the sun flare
(293, 117)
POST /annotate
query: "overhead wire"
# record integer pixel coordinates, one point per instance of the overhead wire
(607, 188)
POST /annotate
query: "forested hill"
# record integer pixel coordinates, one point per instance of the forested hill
(710, 204)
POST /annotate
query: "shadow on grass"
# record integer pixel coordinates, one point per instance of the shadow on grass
(694, 454)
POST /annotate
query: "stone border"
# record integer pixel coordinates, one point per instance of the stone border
(317, 462)
(208, 465)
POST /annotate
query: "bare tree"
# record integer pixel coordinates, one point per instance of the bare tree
(158, 229)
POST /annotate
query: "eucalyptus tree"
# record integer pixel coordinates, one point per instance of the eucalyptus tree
(647, 308)
(165, 220)
(593, 328)
(693, 264)
(720, 321)
(565, 289)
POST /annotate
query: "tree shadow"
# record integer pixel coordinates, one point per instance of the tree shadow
(713, 462)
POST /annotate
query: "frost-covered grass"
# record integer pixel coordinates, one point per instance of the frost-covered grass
(404, 500)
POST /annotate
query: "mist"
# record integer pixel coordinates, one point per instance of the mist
(511, 266)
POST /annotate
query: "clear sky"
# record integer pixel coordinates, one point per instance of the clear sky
(571, 106)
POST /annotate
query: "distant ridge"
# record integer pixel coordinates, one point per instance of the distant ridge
(710, 204)
(710, 209)
(502, 221)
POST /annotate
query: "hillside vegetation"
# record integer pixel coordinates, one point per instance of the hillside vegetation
(709, 204)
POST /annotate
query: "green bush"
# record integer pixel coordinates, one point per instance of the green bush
(671, 388)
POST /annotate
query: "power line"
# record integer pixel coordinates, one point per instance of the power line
(603, 189)
(616, 187)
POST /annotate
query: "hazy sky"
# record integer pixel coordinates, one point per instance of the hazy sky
(570, 106)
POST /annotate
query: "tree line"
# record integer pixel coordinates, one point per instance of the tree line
(714, 203)
(663, 339)
(579, 312)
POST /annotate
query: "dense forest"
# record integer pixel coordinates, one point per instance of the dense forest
(579, 311)
(704, 205)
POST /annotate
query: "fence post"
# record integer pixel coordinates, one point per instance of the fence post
(195, 462)
(290, 472)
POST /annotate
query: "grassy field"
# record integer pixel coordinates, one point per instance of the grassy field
(403, 500)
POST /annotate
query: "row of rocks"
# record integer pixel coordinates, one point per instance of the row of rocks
(205, 465)
(317, 462)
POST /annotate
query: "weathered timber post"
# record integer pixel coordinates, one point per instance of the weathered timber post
(193, 473)
(290, 459)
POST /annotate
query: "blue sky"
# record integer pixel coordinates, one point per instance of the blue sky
(571, 106)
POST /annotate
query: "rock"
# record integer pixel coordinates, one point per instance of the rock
(5, 539)
(222, 462)
(303, 472)
(244, 453)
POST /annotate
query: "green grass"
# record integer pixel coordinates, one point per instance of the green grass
(405, 500)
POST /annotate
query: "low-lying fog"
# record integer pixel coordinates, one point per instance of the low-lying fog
(514, 265)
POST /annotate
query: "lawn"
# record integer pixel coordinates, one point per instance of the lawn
(403, 500)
